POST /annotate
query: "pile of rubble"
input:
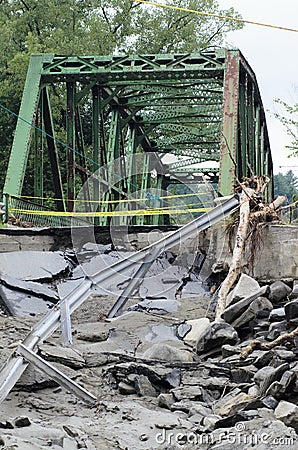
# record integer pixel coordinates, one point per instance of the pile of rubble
(165, 374)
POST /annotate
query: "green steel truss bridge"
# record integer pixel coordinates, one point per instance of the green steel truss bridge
(189, 115)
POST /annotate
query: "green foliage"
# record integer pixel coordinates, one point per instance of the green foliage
(289, 119)
(92, 27)
(286, 185)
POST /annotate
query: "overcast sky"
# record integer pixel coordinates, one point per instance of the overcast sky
(272, 54)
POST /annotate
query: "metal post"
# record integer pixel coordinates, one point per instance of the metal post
(70, 130)
(228, 149)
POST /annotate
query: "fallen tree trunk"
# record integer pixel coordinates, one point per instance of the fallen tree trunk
(235, 266)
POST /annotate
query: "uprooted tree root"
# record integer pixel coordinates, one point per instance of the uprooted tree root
(248, 239)
(259, 345)
(254, 239)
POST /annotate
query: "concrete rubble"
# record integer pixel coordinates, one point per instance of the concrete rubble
(164, 374)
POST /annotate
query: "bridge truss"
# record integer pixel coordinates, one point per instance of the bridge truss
(80, 113)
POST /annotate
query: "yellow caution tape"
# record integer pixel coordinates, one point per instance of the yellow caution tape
(139, 212)
(153, 198)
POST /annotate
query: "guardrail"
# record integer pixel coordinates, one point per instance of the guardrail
(61, 313)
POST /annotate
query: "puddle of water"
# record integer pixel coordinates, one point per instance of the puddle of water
(161, 333)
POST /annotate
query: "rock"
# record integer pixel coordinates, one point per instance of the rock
(144, 387)
(245, 287)
(232, 403)
(260, 304)
(291, 310)
(64, 355)
(165, 352)
(165, 400)
(294, 293)
(253, 391)
(261, 358)
(236, 309)
(279, 388)
(278, 291)
(182, 330)
(243, 374)
(22, 421)
(210, 421)
(30, 287)
(174, 377)
(276, 329)
(6, 424)
(288, 413)
(33, 265)
(198, 326)
(277, 315)
(188, 393)
(267, 375)
(216, 335)
(229, 350)
(286, 355)
(92, 332)
(270, 402)
(126, 389)
(17, 303)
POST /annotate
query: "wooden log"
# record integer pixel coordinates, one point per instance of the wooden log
(235, 266)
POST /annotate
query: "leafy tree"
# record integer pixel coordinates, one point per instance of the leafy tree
(93, 27)
(289, 120)
(286, 185)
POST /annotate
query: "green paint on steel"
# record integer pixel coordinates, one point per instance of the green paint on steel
(23, 135)
(205, 107)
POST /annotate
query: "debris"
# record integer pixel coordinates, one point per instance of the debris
(246, 287)
(17, 303)
(278, 291)
(164, 352)
(33, 265)
(198, 326)
(216, 335)
(291, 310)
(237, 253)
(288, 413)
(267, 346)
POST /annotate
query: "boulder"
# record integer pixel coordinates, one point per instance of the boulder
(291, 310)
(231, 403)
(198, 326)
(288, 413)
(261, 304)
(277, 314)
(144, 387)
(267, 375)
(278, 291)
(236, 309)
(216, 335)
(165, 352)
(294, 293)
(279, 388)
(245, 287)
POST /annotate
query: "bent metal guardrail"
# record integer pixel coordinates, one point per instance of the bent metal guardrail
(26, 351)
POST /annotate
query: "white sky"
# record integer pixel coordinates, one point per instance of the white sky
(273, 56)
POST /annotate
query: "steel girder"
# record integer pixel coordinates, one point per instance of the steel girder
(204, 106)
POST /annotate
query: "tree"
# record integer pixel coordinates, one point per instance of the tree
(289, 119)
(96, 27)
(286, 185)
